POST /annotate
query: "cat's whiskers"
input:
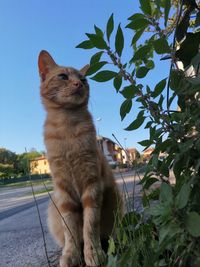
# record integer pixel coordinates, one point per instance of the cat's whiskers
(51, 96)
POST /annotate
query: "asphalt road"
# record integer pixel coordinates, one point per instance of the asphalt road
(11, 197)
(21, 242)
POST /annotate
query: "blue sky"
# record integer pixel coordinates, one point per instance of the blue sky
(57, 26)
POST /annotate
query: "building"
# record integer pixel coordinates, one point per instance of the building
(147, 153)
(112, 152)
(133, 154)
(39, 165)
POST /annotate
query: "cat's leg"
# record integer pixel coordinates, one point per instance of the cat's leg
(91, 201)
(55, 224)
(112, 209)
(71, 252)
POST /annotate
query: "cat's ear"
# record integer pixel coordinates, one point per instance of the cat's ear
(45, 64)
(84, 69)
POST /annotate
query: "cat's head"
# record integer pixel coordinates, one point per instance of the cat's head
(62, 86)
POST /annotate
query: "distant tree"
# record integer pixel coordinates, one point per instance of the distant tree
(7, 156)
(8, 163)
(6, 170)
(23, 160)
(12, 164)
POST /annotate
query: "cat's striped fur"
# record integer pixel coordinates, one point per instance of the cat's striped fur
(84, 188)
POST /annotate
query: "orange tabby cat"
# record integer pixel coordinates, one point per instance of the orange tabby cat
(84, 188)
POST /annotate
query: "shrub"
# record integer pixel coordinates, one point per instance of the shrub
(170, 237)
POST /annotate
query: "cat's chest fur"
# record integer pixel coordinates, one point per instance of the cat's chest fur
(72, 149)
(70, 133)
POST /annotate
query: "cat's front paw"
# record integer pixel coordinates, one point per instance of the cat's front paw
(94, 257)
(69, 260)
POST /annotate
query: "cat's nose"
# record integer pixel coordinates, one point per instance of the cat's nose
(77, 84)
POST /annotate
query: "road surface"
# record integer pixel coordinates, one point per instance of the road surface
(11, 197)
(21, 242)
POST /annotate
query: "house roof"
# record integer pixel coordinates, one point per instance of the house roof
(100, 137)
(148, 150)
(132, 149)
(39, 158)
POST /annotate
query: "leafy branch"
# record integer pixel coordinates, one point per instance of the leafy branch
(173, 133)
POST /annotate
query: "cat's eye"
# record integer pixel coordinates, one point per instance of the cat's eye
(63, 76)
(83, 80)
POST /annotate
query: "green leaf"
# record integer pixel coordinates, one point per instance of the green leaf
(137, 36)
(138, 24)
(117, 82)
(145, 142)
(137, 122)
(136, 16)
(187, 51)
(97, 41)
(95, 67)
(96, 58)
(110, 27)
(160, 102)
(197, 262)
(86, 45)
(195, 62)
(162, 209)
(145, 6)
(111, 248)
(166, 193)
(161, 46)
(167, 232)
(130, 218)
(150, 64)
(159, 88)
(148, 89)
(178, 166)
(148, 125)
(167, 9)
(193, 223)
(197, 21)
(129, 91)
(164, 169)
(182, 27)
(158, 4)
(142, 72)
(149, 182)
(183, 196)
(142, 52)
(175, 79)
(125, 108)
(163, 146)
(104, 76)
(119, 41)
(98, 31)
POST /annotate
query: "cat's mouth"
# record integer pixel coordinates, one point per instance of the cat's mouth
(78, 91)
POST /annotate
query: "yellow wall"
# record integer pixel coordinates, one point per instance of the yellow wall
(39, 166)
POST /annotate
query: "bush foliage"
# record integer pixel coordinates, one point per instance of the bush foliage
(170, 30)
